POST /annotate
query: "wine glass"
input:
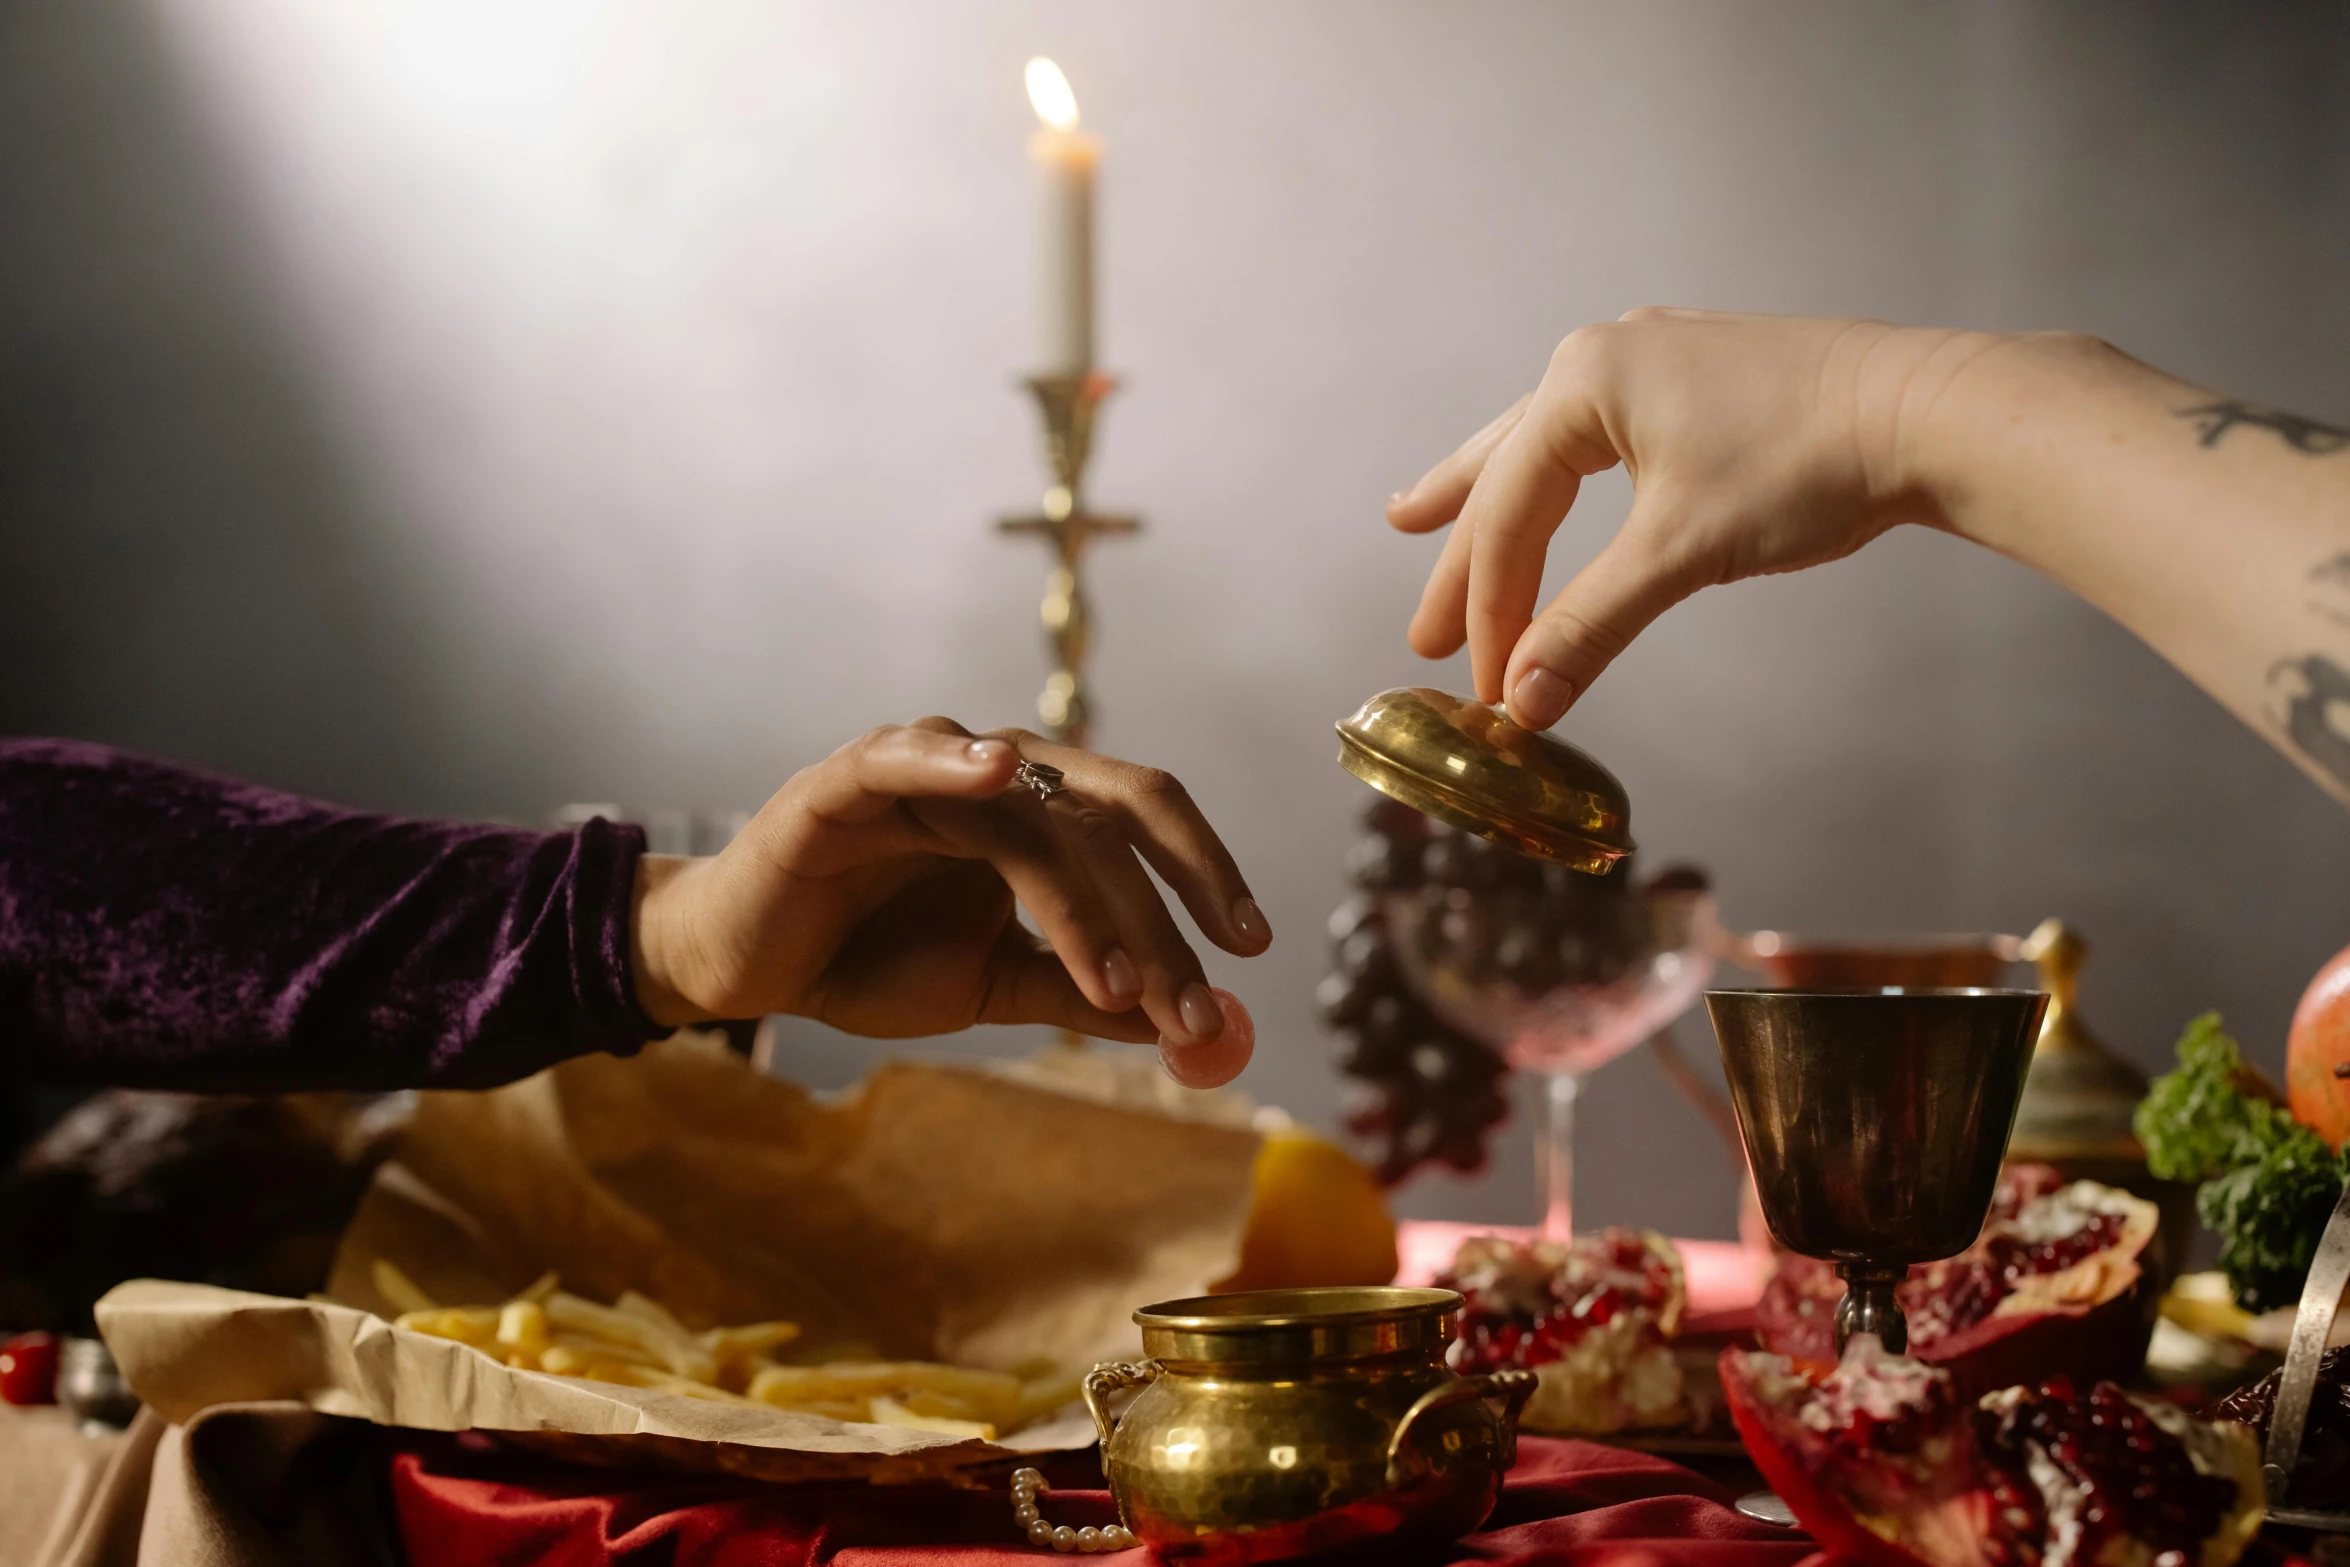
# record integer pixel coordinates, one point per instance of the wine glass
(1558, 970)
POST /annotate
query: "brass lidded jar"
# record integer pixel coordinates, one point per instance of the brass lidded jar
(1464, 762)
(1282, 1423)
(2080, 1098)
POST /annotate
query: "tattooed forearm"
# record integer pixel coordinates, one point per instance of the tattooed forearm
(2214, 420)
(2309, 699)
(2329, 595)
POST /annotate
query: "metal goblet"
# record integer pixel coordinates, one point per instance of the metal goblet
(1875, 1122)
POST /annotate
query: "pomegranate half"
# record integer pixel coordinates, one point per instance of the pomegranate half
(1884, 1464)
(1592, 1318)
(2053, 1284)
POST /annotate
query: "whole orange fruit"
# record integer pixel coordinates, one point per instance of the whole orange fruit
(2317, 1053)
(1318, 1217)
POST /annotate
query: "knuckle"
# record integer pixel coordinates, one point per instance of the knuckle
(1643, 313)
(862, 752)
(1582, 351)
(1095, 828)
(2086, 345)
(1593, 639)
(1568, 356)
(1158, 785)
(1689, 554)
(938, 724)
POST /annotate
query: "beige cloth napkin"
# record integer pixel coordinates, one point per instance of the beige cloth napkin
(69, 1500)
(225, 1490)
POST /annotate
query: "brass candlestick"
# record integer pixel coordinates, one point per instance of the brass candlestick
(1070, 403)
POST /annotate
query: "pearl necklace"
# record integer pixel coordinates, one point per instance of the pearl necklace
(1026, 1483)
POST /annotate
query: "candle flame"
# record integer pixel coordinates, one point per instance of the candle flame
(1049, 90)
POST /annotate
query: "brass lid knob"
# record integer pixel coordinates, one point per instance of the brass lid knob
(2079, 1096)
(1466, 763)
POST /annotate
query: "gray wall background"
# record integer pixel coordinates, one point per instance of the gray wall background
(473, 405)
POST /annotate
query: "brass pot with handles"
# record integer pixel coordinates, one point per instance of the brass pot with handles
(1280, 1423)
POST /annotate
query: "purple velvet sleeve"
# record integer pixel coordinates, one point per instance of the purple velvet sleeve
(161, 928)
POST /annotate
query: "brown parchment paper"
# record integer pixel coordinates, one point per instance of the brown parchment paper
(938, 1212)
(187, 1348)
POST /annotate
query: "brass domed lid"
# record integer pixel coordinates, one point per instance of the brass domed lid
(1296, 1325)
(1466, 763)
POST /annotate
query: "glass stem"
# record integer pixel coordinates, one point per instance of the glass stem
(1555, 1168)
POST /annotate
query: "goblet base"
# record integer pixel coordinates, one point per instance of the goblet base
(1767, 1507)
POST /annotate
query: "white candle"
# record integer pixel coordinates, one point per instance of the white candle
(1065, 158)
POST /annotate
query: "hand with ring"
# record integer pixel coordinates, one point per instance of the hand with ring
(876, 892)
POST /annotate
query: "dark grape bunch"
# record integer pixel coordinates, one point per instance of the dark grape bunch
(1416, 1091)
(1419, 1091)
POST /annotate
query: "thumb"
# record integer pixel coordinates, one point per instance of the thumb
(1636, 578)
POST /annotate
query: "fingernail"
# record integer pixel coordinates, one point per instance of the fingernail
(1399, 497)
(1118, 973)
(985, 751)
(1202, 1018)
(1540, 698)
(1251, 920)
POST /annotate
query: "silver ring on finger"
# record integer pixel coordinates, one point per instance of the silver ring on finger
(1038, 779)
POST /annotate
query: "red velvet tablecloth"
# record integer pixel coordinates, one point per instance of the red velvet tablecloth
(464, 1503)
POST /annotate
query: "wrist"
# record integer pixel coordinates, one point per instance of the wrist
(1978, 411)
(655, 944)
(1923, 389)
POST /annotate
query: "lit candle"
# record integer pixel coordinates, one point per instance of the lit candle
(1065, 158)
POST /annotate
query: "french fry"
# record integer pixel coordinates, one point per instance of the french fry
(742, 1352)
(522, 1332)
(476, 1326)
(849, 1413)
(752, 1338)
(400, 1290)
(1041, 1396)
(654, 1378)
(624, 1373)
(922, 1388)
(668, 1345)
(565, 1360)
(984, 1389)
(539, 1288)
(650, 1312)
(607, 1349)
(889, 1412)
(686, 1387)
(831, 1352)
(940, 1406)
(679, 1347)
(638, 1342)
(566, 1310)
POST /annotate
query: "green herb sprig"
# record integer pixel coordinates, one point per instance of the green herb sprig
(2268, 1183)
